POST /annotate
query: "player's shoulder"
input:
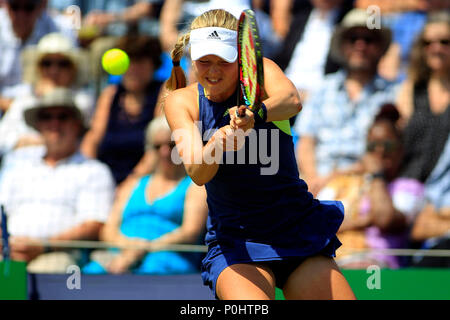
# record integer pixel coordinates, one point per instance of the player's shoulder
(183, 98)
(269, 63)
(188, 92)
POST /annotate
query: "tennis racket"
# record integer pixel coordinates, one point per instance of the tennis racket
(250, 63)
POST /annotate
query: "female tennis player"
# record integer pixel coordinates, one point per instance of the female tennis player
(263, 231)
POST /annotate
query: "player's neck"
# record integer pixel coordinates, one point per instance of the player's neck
(217, 97)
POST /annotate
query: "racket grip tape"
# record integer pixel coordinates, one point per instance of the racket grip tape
(260, 114)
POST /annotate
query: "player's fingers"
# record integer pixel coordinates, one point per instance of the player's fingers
(233, 123)
(250, 127)
(245, 123)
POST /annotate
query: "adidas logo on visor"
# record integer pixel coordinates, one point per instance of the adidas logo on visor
(214, 35)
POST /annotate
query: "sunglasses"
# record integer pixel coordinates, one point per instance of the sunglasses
(170, 144)
(367, 38)
(444, 42)
(388, 145)
(26, 7)
(62, 63)
(61, 116)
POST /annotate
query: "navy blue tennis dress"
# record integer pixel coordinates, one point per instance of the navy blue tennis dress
(255, 217)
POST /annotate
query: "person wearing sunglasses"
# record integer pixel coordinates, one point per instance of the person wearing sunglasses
(23, 23)
(124, 109)
(431, 229)
(305, 55)
(162, 208)
(335, 119)
(51, 191)
(53, 62)
(424, 99)
(425, 106)
(380, 204)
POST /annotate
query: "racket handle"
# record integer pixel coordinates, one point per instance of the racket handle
(240, 113)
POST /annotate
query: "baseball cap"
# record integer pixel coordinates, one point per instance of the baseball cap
(217, 41)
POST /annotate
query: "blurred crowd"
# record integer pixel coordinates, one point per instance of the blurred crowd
(86, 155)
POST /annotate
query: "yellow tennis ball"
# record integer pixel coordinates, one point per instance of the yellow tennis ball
(115, 61)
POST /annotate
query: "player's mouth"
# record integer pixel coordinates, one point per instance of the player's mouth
(213, 81)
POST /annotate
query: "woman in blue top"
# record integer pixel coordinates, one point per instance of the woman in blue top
(264, 228)
(154, 210)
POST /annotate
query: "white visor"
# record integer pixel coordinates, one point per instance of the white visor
(213, 40)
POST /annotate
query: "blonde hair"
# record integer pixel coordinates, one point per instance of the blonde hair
(156, 125)
(212, 18)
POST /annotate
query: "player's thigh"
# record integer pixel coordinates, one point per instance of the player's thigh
(246, 282)
(317, 278)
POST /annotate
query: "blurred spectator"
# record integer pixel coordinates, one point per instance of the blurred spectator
(406, 20)
(432, 227)
(380, 205)
(424, 99)
(110, 17)
(114, 17)
(334, 122)
(388, 6)
(281, 12)
(117, 135)
(158, 209)
(22, 23)
(305, 54)
(54, 62)
(52, 191)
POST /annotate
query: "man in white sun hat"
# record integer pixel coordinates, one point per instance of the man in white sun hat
(53, 192)
(333, 125)
(53, 62)
(22, 23)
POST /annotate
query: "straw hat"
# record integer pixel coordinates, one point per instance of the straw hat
(58, 97)
(55, 43)
(356, 18)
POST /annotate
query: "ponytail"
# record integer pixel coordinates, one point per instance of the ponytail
(177, 78)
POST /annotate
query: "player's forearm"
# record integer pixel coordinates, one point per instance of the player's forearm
(203, 165)
(282, 99)
(283, 106)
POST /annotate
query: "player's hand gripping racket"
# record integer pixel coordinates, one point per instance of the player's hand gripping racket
(250, 63)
